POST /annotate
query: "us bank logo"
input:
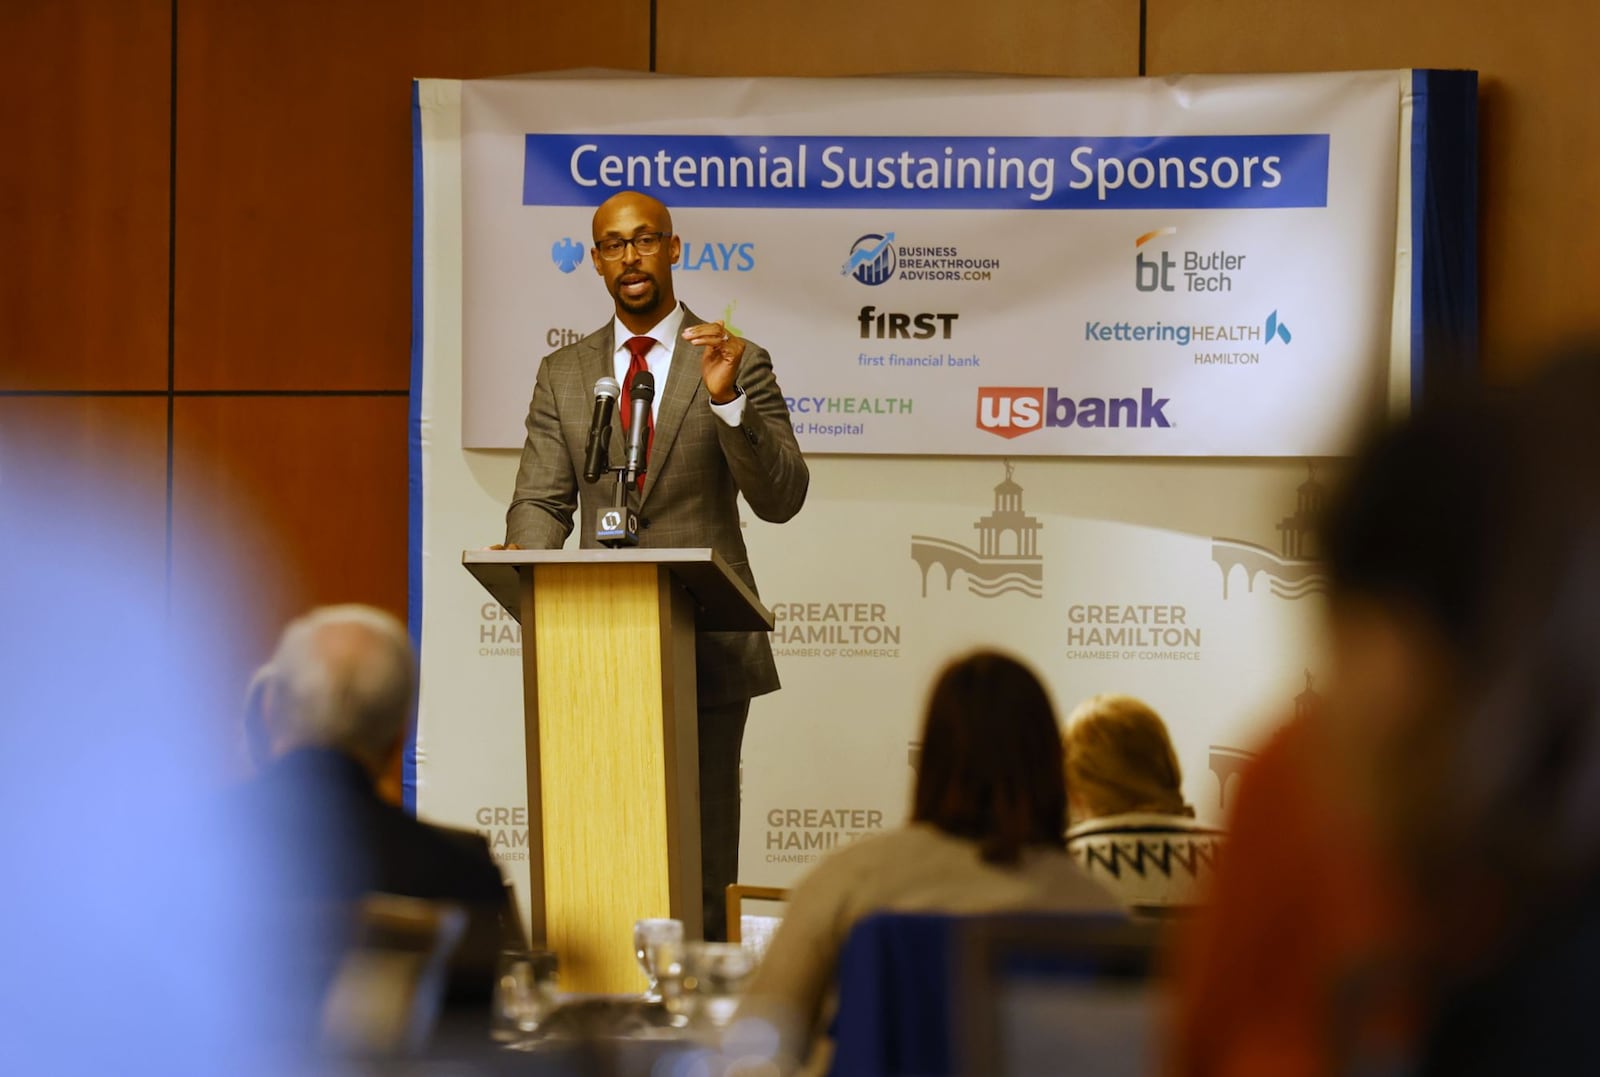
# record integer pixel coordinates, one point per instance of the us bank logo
(872, 259)
(567, 254)
(1007, 560)
(1011, 411)
(1295, 570)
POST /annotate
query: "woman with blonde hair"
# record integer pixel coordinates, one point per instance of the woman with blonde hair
(1131, 829)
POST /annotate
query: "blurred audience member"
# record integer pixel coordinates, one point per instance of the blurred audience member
(1413, 875)
(1486, 777)
(133, 906)
(986, 834)
(331, 711)
(1131, 830)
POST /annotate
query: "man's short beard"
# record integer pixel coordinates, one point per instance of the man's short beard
(646, 302)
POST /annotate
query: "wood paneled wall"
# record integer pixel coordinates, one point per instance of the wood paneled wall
(205, 209)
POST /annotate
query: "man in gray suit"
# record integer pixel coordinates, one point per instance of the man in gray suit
(721, 429)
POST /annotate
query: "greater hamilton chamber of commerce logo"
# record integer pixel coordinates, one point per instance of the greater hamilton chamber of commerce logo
(1227, 763)
(1296, 570)
(1007, 559)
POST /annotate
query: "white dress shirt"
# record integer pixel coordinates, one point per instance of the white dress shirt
(659, 358)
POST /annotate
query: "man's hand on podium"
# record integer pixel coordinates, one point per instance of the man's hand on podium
(503, 546)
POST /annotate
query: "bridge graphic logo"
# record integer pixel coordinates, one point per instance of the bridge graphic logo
(1228, 763)
(1296, 570)
(1007, 560)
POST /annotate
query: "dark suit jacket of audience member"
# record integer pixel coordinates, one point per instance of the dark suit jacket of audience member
(343, 841)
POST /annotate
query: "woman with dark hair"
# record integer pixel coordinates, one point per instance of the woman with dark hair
(986, 834)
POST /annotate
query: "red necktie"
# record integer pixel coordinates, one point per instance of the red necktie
(638, 348)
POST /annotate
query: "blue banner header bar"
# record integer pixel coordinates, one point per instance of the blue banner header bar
(787, 172)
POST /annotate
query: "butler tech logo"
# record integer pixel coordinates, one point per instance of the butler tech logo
(1010, 412)
(877, 257)
(1157, 268)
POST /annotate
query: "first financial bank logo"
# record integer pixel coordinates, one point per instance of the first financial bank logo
(1011, 411)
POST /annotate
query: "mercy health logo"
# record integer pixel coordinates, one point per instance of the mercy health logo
(876, 258)
(1157, 268)
(1010, 412)
(568, 254)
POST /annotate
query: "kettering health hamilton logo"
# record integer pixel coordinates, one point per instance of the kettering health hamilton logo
(877, 258)
(1007, 559)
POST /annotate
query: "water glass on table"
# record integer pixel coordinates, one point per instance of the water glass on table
(524, 994)
(648, 935)
(714, 977)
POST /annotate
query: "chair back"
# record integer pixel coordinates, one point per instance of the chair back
(1058, 994)
(389, 984)
(936, 994)
(754, 913)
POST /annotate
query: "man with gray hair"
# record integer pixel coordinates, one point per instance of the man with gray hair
(330, 712)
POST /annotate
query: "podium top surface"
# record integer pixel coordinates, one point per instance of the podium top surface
(723, 601)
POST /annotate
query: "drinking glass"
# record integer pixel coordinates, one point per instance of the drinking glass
(524, 994)
(714, 976)
(647, 936)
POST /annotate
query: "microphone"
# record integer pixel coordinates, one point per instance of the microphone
(597, 454)
(640, 393)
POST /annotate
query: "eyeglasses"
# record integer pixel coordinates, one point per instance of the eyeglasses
(645, 243)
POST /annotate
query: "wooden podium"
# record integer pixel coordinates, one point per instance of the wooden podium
(608, 683)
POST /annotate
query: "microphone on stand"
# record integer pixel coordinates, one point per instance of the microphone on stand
(597, 454)
(640, 393)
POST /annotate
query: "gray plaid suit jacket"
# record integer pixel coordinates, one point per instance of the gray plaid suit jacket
(698, 464)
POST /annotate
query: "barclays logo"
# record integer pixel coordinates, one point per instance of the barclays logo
(718, 257)
(567, 254)
(872, 259)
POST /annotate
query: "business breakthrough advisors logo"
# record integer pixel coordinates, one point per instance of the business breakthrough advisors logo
(1007, 559)
(872, 258)
(878, 257)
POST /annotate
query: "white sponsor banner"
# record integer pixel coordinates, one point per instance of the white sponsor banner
(1194, 267)
(1192, 583)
